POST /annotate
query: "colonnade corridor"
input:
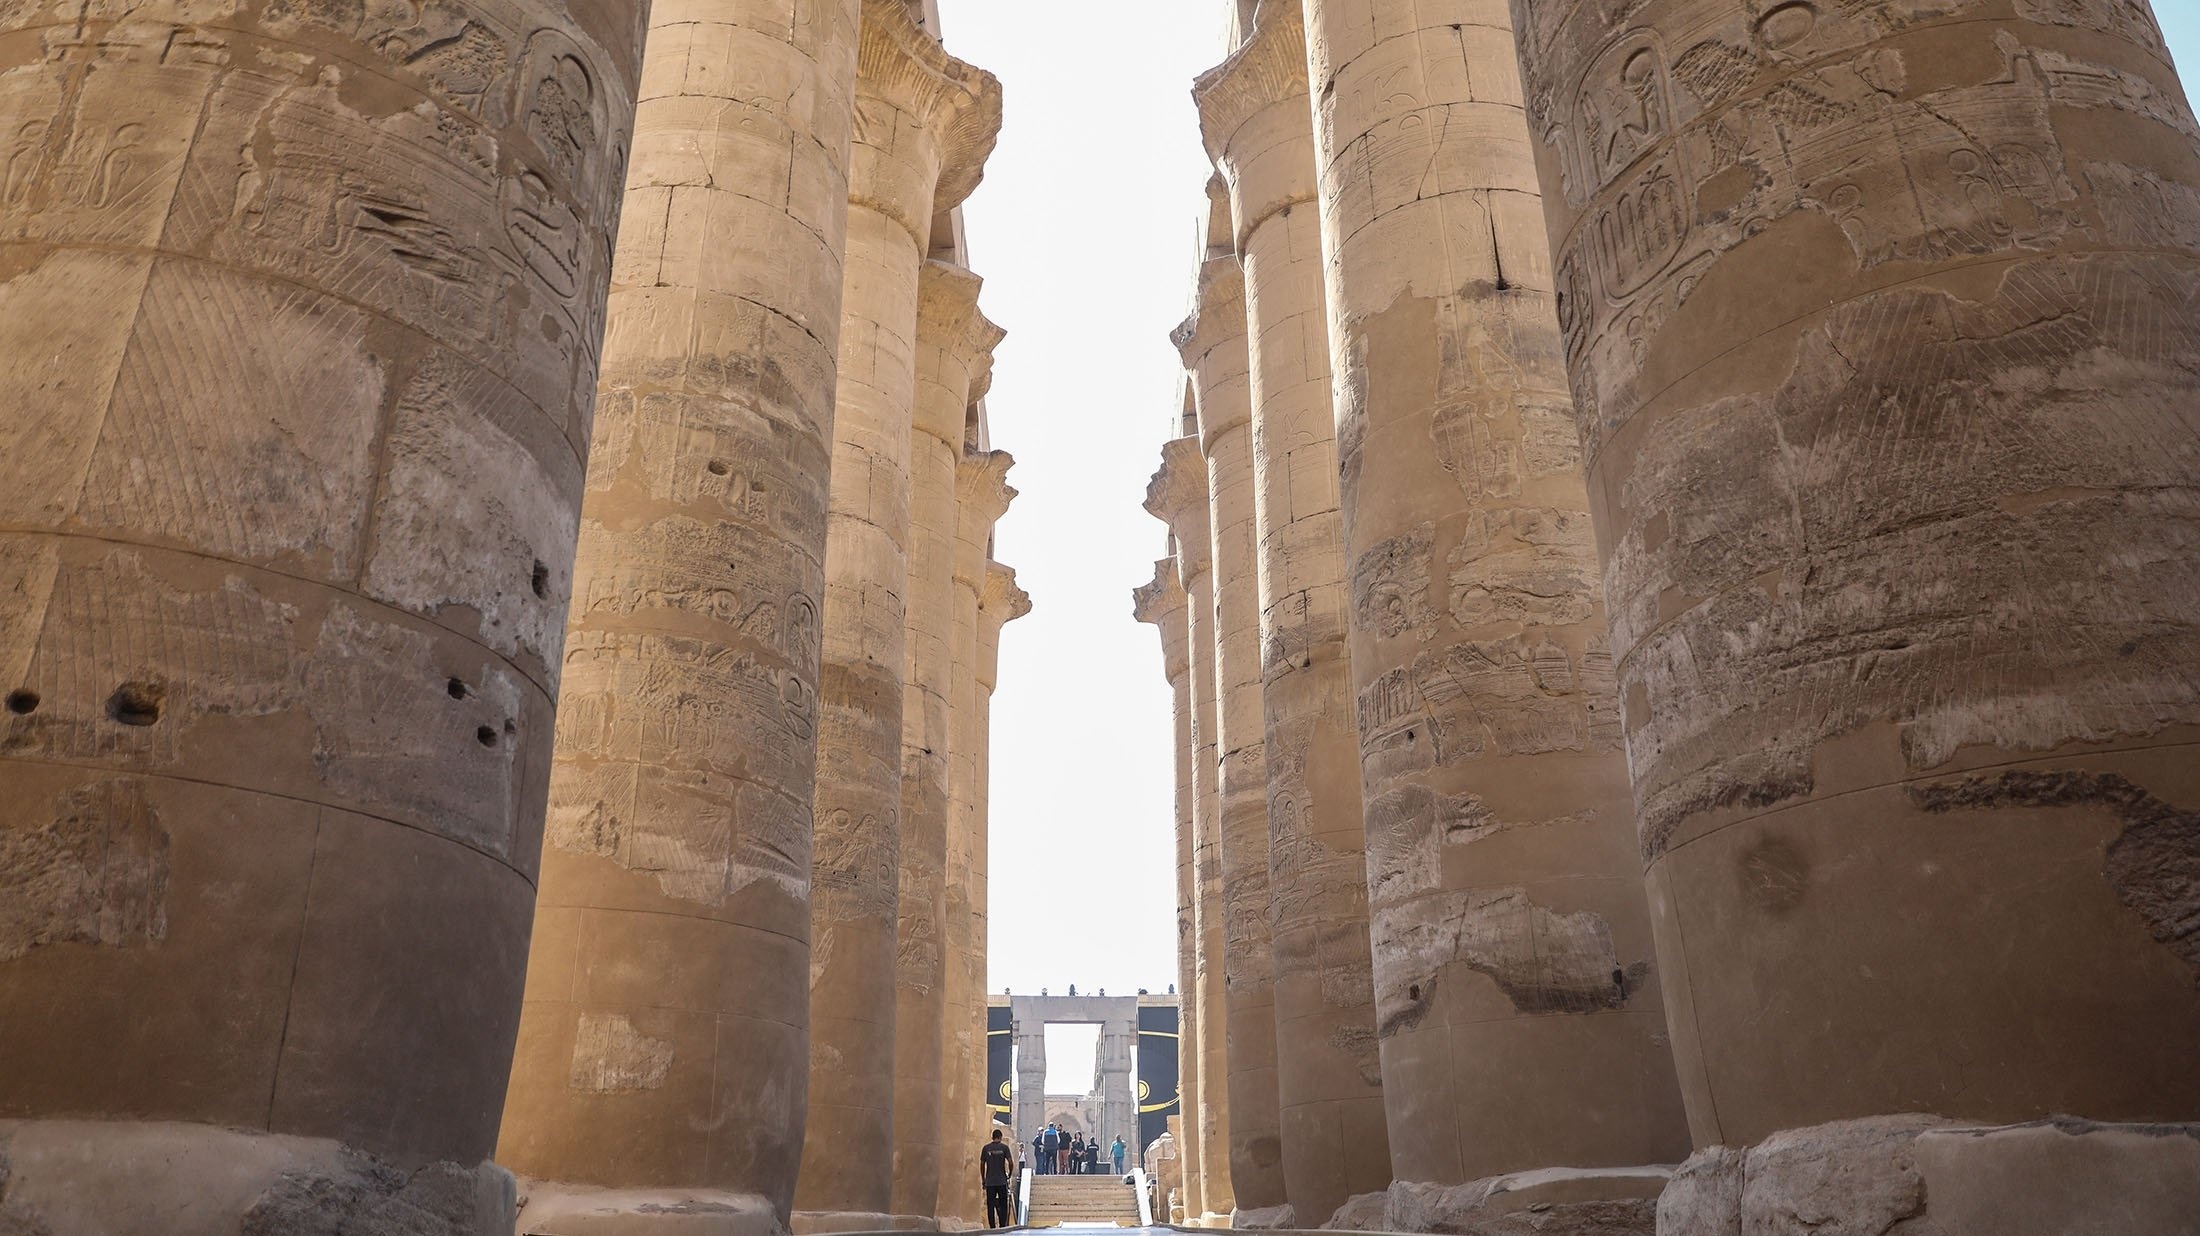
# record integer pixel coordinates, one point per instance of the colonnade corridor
(1678, 586)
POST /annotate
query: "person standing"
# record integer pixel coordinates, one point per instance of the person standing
(1116, 1152)
(1092, 1157)
(1052, 1149)
(1039, 1162)
(996, 1166)
(1077, 1155)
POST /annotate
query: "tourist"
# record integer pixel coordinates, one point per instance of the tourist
(996, 1164)
(1077, 1155)
(1092, 1156)
(1116, 1152)
(1040, 1159)
(1054, 1149)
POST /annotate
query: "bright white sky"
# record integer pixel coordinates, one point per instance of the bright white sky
(1086, 231)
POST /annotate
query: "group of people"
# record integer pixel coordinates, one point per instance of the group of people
(1054, 1152)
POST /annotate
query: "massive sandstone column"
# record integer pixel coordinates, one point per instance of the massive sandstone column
(1162, 603)
(1518, 1009)
(1177, 496)
(1259, 126)
(954, 356)
(1212, 343)
(1000, 603)
(982, 495)
(299, 325)
(662, 1051)
(1881, 322)
(924, 123)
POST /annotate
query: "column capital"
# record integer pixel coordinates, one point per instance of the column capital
(982, 496)
(1162, 598)
(1258, 121)
(1002, 601)
(948, 315)
(958, 105)
(1218, 310)
(1177, 496)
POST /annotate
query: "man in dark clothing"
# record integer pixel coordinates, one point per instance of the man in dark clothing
(996, 1163)
(1039, 1154)
(1050, 1149)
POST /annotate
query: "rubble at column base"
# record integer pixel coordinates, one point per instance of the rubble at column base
(1557, 1201)
(1922, 1175)
(551, 1209)
(124, 1178)
(1269, 1218)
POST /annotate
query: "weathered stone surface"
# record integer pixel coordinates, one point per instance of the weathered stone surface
(664, 1041)
(1177, 496)
(924, 123)
(1259, 129)
(1164, 603)
(1546, 1202)
(88, 1178)
(1878, 321)
(299, 318)
(1519, 1015)
(1917, 1175)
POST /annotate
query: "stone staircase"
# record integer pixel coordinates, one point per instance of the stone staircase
(1101, 1201)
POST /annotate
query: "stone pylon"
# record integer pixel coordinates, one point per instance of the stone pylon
(1178, 497)
(925, 122)
(665, 991)
(954, 351)
(1259, 128)
(1212, 343)
(982, 495)
(294, 411)
(1162, 602)
(1880, 322)
(1519, 1012)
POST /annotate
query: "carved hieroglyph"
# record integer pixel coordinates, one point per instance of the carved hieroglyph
(1212, 343)
(954, 356)
(1519, 1014)
(1881, 323)
(1259, 127)
(1177, 496)
(982, 495)
(664, 1041)
(299, 321)
(1162, 602)
(924, 122)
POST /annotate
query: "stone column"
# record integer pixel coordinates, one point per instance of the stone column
(1031, 1069)
(924, 123)
(1880, 322)
(1259, 125)
(670, 936)
(295, 391)
(1162, 602)
(1178, 497)
(982, 495)
(954, 353)
(1518, 1009)
(1212, 342)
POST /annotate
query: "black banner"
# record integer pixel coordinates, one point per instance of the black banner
(1158, 1097)
(1000, 1058)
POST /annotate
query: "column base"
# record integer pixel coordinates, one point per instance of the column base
(1553, 1201)
(1271, 1218)
(1936, 1177)
(157, 1178)
(551, 1209)
(1213, 1219)
(812, 1222)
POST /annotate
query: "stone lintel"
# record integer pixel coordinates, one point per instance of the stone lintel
(899, 62)
(1267, 70)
